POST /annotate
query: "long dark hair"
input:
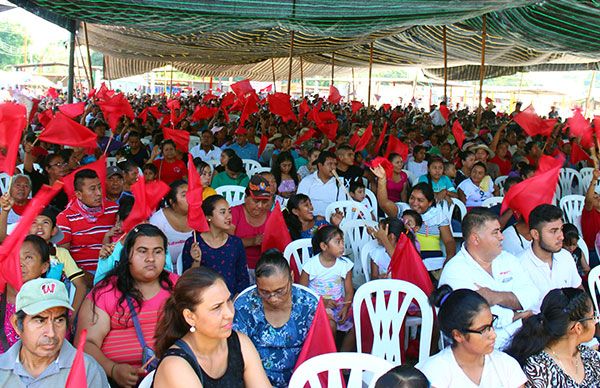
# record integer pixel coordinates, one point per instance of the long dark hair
(433, 159)
(120, 276)
(426, 189)
(187, 294)
(285, 156)
(560, 308)
(292, 221)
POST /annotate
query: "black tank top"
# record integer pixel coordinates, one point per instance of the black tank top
(234, 374)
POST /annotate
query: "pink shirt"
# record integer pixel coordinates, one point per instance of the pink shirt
(121, 344)
(9, 330)
(394, 189)
(244, 230)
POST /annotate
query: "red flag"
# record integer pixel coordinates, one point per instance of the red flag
(250, 107)
(177, 119)
(386, 107)
(381, 138)
(356, 106)
(407, 265)
(279, 104)
(45, 117)
(225, 114)
(147, 197)
(34, 108)
(266, 89)
(459, 133)
(52, 93)
(153, 110)
(92, 93)
(243, 88)
(72, 110)
(209, 96)
(365, 138)
(303, 109)
(99, 166)
(396, 146)
(488, 100)
(263, 144)
(319, 339)
(445, 112)
(276, 235)
(77, 377)
(63, 130)
(354, 139)
(580, 127)
(334, 95)
(180, 137)
(383, 162)
(10, 262)
(534, 124)
(596, 122)
(103, 93)
(114, 108)
(523, 197)
(326, 122)
(227, 100)
(578, 154)
(196, 218)
(306, 136)
(203, 112)
(173, 104)
(13, 119)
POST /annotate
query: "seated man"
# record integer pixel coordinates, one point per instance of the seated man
(85, 221)
(42, 357)
(321, 186)
(481, 265)
(547, 264)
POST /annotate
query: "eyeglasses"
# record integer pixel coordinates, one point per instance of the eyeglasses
(596, 319)
(60, 164)
(485, 330)
(275, 294)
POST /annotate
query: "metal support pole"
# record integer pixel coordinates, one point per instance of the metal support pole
(302, 76)
(332, 67)
(482, 67)
(289, 85)
(445, 64)
(71, 82)
(273, 71)
(89, 57)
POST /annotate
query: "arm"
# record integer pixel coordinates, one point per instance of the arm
(254, 373)
(374, 270)
(175, 372)
(242, 280)
(304, 279)
(589, 195)
(28, 160)
(6, 204)
(501, 298)
(384, 202)
(462, 196)
(80, 292)
(349, 295)
(497, 137)
(448, 240)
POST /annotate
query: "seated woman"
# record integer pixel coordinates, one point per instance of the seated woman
(216, 249)
(234, 174)
(397, 186)
(550, 347)
(276, 316)
(35, 262)
(471, 361)
(441, 185)
(300, 219)
(131, 295)
(195, 340)
(285, 174)
(206, 175)
(170, 168)
(477, 188)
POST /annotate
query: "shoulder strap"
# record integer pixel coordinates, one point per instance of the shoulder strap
(3, 338)
(174, 352)
(191, 358)
(136, 322)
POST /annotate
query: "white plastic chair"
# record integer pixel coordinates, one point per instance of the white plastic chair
(355, 237)
(194, 141)
(299, 250)
(594, 285)
(372, 198)
(147, 381)
(584, 249)
(386, 321)
(295, 285)
(4, 182)
(111, 161)
(411, 178)
(36, 167)
(449, 210)
(250, 165)
(572, 206)
(586, 174)
(352, 210)
(500, 183)
(491, 202)
(566, 179)
(260, 170)
(365, 261)
(234, 194)
(333, 363)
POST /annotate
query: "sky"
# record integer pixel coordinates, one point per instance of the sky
(40, 30)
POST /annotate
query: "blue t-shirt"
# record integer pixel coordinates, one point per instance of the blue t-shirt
(278, 347)
(443, 183)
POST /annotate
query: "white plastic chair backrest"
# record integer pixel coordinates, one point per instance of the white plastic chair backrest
(572, 206)
(566, 178)
(233, 194)
(213, 163)
(250, 165)
(295, 285)
(584, 249)
(586, 174)
(386, 321)
(333, 363)
(299, 251)
(557, 194)
(352, 210)
(4, 182)
(147, 381)
(411, 178)
(461, 207)
(36, 167)
(355, 237)
(194, 141)
(111, 161)
(434, 263)
(500, 183)
(365, 261)
(260, 170)
(372, 198)
(490, 202)
(594, 285)
(448, 210)
(179, 264)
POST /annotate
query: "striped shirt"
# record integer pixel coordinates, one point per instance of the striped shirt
(84, 235)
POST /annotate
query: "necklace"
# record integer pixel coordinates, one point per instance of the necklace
(555, 356)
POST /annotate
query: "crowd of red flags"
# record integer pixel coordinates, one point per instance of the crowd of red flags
(147, 197)
(13, 119)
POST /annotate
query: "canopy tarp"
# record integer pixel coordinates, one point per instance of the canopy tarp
(238, 38)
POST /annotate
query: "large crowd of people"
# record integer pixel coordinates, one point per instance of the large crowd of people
(214, 308)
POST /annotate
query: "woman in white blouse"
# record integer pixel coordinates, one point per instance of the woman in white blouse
(471, 361)
(477, 188)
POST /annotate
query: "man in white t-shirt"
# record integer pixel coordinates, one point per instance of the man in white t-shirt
(481, 265)
(321, 186)
(547, 264)
(206, 150)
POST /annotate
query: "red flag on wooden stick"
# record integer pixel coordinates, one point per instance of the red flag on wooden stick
(263, 144)
(114, 108)
(365, 138)
(578, 154)
(180, 137)
(276, 235)
(146, 196)
(52, 93)
(196, 218)
(381, 138)
(407, 265)
(383, 162)
(242, 88)
(303, 109)
(203, 112)
(13, 119)
(397, 147)
(10, 261)
(334, 95)
(580, 127)
(99, 166)
(444, 111)
(77, 377)
(250, 107)
(72, 110)
(326, 122)
(356, 105)
(279, 104)
(354, 138)
(459, 133)
(62, 130)
(309, 134)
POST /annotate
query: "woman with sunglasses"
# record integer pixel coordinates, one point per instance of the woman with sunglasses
(471, 361)
(276, 316)
(550, 345)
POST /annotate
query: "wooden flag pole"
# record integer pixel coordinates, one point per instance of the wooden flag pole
(89, 57)
(445, 63)
(332, 66)
(171, 83)
(273, 71)
(370, 73)
(353, 85)
(302, 76)
(289, 85)
(482, 67)
(82, 63)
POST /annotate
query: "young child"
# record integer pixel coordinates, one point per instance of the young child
(417, 165)
(150, 172)
(571, 236)
(387, 236)
(358, 193)
(441, 185)
(330, 275)
(413, 221)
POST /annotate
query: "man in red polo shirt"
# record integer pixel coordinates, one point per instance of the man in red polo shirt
(86, 220)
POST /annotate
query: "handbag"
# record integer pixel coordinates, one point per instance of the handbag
(147, 352)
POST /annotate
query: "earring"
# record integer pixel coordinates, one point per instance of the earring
(192, 329)
(208, 219)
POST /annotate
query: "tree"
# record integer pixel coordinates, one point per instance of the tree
(12, 44)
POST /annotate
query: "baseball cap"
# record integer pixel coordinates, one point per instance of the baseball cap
(42, 294)
(258, 188)
(113, 170)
